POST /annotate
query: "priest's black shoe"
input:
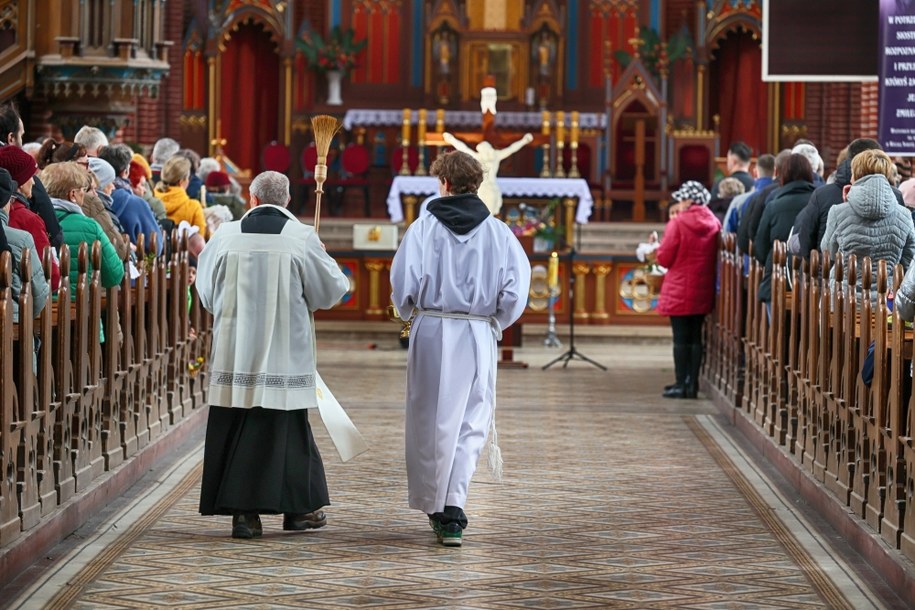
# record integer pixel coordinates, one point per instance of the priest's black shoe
(246, 526)
(308, 521)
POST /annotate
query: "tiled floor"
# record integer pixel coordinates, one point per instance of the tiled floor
(613, 498)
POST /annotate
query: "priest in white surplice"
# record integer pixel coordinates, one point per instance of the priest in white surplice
(465, 277)
(261, 277)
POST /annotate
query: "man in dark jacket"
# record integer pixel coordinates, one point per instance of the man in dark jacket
(738, 165)
(11, 132)
(810, 223)
(753, 209)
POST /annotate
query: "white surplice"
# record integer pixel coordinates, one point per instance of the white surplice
(262, 289)
(452, 362)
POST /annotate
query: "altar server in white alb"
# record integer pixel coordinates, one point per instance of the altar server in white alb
(261, 277)
(465, 277)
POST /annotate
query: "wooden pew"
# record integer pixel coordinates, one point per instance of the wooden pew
(66, 396)
(892, 430)
(86, 410)
(880, 396)
(10, 523)
(751, 338)
(860, 412)
(818, 438)
(26, 424)
(848, 373)
(830, 423)
(47, 488)
(142, 359)
(797, 352)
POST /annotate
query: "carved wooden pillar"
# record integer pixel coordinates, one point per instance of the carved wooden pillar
(569, 204)
(601, 271)
(409, 208)
(581, 270)
(374, 308)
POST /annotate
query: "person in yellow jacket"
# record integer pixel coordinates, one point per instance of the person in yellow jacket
(176, 173)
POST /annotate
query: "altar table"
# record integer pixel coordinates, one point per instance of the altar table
(540, 188)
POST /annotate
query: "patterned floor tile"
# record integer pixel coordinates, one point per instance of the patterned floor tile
(592, 514)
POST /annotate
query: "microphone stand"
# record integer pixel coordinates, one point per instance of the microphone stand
(572, 353)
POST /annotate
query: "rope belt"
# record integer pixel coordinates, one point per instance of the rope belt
(495, 453)
(491, 320)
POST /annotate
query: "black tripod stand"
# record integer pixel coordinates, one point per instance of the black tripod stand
(572, 353)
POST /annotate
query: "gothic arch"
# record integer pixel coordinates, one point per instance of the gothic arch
(250, 14)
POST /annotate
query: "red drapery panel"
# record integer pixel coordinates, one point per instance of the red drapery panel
(249, 113)
(616, 27)
(738, 94)
(380, 24)
(188, 80)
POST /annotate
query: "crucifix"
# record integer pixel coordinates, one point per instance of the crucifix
(491, 147)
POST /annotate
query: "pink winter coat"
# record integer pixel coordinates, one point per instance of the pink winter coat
(689, 250)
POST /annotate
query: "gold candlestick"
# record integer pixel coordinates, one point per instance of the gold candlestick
(545, 130)
(405, 143)
(439, 128)
(421, 142)
(573, 170)
(560, 143)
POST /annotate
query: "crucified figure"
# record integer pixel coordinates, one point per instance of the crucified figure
(489, 158)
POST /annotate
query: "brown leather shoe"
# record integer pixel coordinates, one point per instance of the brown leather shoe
(308, 521)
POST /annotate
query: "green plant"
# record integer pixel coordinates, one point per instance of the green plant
(337, 52)
(678, 46)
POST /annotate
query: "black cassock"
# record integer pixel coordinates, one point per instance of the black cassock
(261, 460)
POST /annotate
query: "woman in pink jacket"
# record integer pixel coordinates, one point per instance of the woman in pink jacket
(689, 250)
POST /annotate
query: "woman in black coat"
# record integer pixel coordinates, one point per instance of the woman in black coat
(778, 217)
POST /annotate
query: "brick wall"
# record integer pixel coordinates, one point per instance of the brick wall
(837, 113)
(171, 91)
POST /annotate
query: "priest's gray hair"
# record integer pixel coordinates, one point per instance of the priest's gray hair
(271, 187)
(163, 150)
(92, 138)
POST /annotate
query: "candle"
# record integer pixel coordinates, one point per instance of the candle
(421, 127)
(546, 123)
(405, 132)
(560, 127)
(574, 136)
(529, 96)
(552, 276)
(440, 120)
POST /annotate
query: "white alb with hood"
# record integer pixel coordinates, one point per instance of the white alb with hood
(465, 284)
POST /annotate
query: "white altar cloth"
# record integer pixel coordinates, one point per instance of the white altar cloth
(541, 188)
(357, 117)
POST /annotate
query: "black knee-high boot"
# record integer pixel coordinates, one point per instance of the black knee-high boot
(695, 365)
(681, 370)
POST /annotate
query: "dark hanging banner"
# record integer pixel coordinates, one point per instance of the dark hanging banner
(897, 77)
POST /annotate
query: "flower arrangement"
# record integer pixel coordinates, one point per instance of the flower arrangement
(538, 223)
(337, 52)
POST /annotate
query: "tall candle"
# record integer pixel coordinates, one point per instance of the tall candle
(552, 275)
(560, 126)
(440, 120)
(546, 123)
(574, 135)
(421, 127)
(405, 132)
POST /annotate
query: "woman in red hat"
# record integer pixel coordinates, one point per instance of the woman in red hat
(22, 168)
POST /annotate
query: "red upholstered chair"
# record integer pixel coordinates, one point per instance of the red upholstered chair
(276, 157)
(355, 161)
